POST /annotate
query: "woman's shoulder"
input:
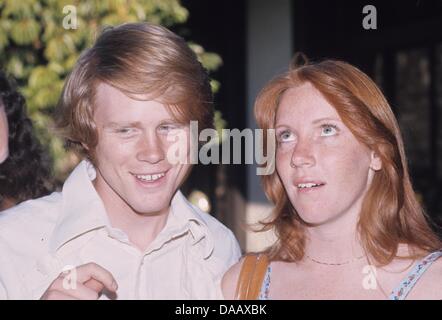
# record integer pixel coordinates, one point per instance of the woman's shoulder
(256, 261)
(422, 279)
(230, 280)
(429, 285)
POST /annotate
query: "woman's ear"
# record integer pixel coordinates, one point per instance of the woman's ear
(376, 162)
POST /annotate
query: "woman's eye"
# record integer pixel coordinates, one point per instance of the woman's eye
(328, 130)
(285, 136)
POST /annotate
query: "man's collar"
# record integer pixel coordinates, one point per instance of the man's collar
(184, 211)
(83, 211)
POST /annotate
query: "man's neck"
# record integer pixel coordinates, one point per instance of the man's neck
(141, 229)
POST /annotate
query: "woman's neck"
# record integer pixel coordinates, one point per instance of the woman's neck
(334, 249)
(334, 242)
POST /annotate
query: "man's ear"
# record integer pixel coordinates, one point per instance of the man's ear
(376, 162)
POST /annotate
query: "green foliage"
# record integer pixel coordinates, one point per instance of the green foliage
(39, 51)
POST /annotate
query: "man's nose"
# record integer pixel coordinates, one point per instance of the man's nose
(150, 148)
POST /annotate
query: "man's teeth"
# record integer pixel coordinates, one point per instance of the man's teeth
(150, 177)
(308, 185)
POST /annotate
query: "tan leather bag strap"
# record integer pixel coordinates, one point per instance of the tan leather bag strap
(250, 279)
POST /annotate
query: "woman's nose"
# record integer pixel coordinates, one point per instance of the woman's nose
(302, 155)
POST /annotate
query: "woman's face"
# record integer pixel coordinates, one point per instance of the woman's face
(325, 170)
(4, 150)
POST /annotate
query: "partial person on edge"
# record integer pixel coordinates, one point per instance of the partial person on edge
(25, 171)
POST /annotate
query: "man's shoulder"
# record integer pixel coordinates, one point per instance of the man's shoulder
(226, 250)
(30, 218)
(216, 227)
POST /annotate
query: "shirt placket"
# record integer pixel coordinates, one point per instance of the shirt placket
(140, 279)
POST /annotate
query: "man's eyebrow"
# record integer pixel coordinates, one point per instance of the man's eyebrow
(326, 119)
(113, 124)
(171, 120)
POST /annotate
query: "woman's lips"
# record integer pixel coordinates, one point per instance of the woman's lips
(306, 186)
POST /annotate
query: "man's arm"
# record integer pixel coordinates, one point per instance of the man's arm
(10, 284)
(3, 293)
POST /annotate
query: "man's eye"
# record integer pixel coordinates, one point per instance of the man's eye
(286, 136)
(328, 130)
(168, 128)
(125, 131)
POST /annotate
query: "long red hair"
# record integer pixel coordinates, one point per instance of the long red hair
(391, 214)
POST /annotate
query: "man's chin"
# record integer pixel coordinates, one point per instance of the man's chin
(151, 211)
(150, 205)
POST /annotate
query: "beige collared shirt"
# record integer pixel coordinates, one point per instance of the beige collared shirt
(41, 238)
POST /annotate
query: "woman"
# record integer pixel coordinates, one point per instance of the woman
(346, 216)
(26, 172)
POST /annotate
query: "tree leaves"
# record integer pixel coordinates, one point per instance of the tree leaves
(25, 31)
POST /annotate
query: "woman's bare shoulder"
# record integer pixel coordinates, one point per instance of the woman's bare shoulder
(429, 286)
(230, 280)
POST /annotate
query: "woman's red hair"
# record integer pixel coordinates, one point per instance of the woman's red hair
(391, 214)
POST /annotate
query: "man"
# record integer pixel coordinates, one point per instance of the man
(120, 228)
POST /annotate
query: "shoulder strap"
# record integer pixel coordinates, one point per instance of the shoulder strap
(401, 292)
(252, 274)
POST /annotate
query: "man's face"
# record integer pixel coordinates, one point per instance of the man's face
(4, 150)
(131, 155)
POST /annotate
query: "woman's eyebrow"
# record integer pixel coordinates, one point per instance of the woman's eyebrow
(313, 122)
(325, 119)
(277, 126)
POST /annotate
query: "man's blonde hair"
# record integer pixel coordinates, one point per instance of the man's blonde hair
(137, 59)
